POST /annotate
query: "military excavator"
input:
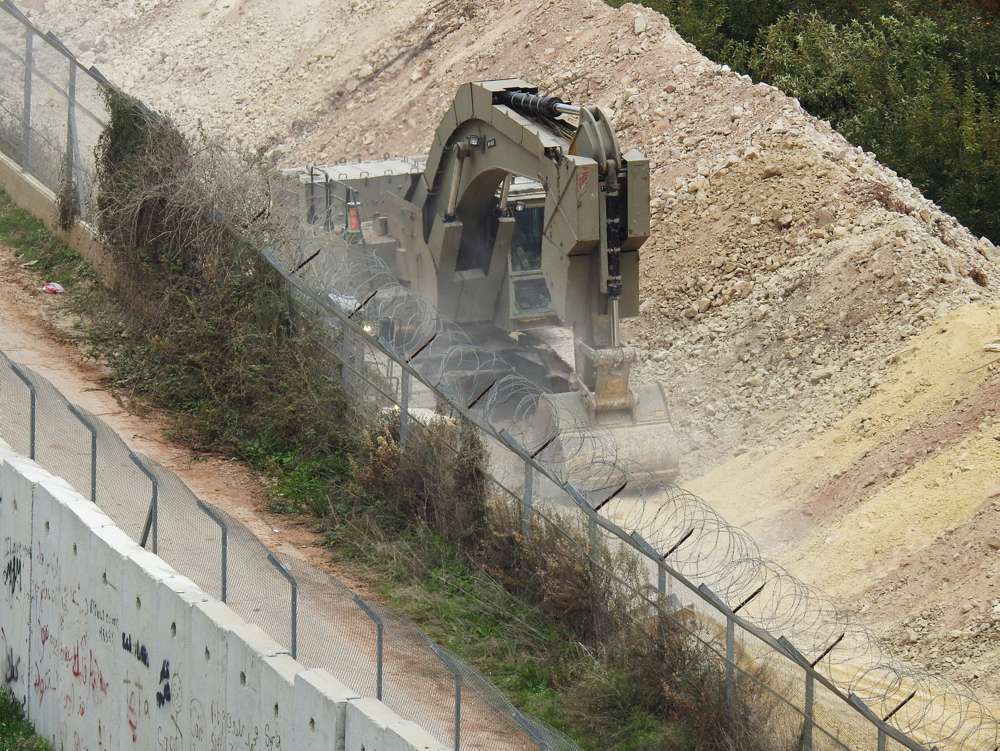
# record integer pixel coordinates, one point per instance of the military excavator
(524, 224)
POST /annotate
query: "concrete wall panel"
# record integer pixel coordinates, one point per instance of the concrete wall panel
(89, 703)
(211, 623)
(320, 711)
(246, 648)
(110, 549)
(143, 645)
(17, 479)
(174, 608)
(277, 700)
(113, 650)
(409, 736)
(367, 723)
(50, 645)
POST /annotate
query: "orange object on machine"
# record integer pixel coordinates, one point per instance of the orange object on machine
(353, 217)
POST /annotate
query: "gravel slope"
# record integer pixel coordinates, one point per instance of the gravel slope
(811, 313)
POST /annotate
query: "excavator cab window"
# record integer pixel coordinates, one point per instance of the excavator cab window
(530, 298)
(526, 244)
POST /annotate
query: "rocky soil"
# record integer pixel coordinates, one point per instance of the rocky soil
(822, 327)
(784, 264)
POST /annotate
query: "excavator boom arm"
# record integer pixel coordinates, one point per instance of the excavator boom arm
(596, 203)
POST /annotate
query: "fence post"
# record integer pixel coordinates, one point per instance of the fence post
(88, 423)
(379, 642)
(72, 139)
(152, 520)
(283, 570)
(730, 663)
(808, 721)
(405, 385)
(661, 592)
(527, 504)
(593, 540)
(723, 607)
(458, 711)
(457, 675)
(807, 712)
(217, 518)
(70, 106)
(26, 119)
(33, 409)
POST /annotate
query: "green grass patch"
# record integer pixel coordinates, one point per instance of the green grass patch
(16, 733)
(541, 667)
(37, 248)
(299, 485)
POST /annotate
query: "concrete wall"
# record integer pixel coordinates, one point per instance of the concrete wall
(107, 647)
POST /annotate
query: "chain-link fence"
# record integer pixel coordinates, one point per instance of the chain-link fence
(51, 109)
(323, 623)
(827, 681)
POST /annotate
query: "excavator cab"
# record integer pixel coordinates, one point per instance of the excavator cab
(530, 301)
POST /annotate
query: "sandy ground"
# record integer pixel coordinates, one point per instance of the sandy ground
(894, 509)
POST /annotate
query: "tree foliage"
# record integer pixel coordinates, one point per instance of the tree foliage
(915, 81)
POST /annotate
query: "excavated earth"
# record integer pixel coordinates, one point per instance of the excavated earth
(830, 338)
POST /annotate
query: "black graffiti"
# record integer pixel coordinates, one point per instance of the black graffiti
(135, 648)
(12, 575)
(12, 668)
(163, 695)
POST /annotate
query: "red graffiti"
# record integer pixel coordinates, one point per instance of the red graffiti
(76, 662)
(97, 682)
(41, 684)
(44, 634)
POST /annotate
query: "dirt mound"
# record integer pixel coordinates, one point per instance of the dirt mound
(784, 267)
(811, 313)
(780, 288)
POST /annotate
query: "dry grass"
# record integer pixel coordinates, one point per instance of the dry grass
(199, 322)
(647, 661)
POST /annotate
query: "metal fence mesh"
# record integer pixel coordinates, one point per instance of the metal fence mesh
(831, 681)
(333, 627)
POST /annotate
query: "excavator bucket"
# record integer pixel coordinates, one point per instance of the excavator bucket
(643, 436)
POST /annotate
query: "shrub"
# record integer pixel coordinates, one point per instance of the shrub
(16, 733)
(654, 674)
(915, 81)
(438, 480)
(199, 322)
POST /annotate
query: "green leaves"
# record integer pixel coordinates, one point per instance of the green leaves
(16, 733)
(915, 81)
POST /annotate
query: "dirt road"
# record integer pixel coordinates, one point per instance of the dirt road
(333, 632)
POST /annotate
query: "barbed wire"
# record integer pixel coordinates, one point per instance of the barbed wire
(581, 461)
(697, 541)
